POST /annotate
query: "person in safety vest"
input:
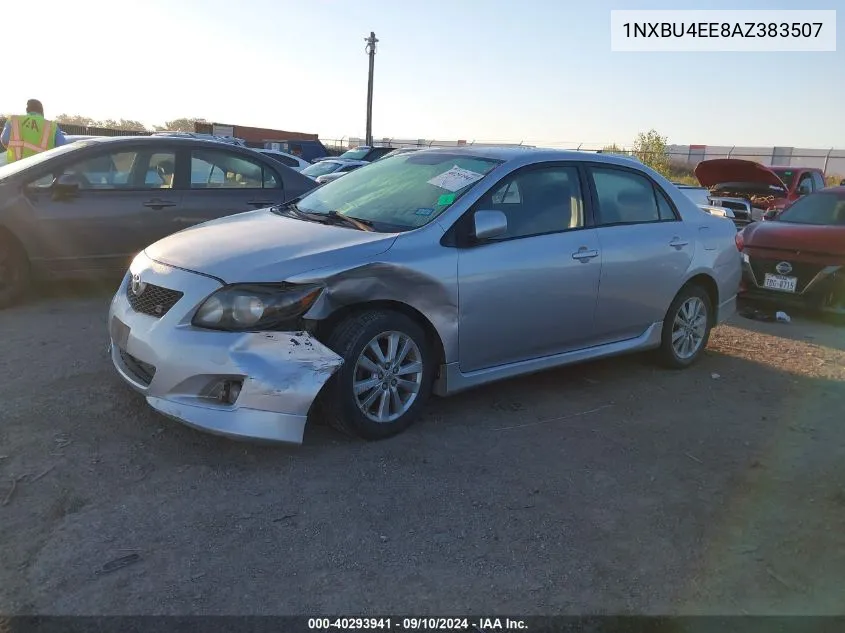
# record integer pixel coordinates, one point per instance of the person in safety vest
(25, 136)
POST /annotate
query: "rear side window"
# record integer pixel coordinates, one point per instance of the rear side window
(219, 169)
(625, 197)
(818, 180)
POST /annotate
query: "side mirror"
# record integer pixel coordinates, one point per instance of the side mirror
(803, 190)
(770, 215)
(489, 224)
(842, 183)
(65, 186)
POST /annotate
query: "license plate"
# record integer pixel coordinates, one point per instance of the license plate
(119, 333)
(780, 282)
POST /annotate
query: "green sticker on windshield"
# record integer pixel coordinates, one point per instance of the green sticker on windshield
(446, 199)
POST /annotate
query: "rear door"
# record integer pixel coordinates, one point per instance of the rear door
(646, 251)
(218, 182)
(106, 209)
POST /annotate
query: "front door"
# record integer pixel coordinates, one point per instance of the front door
(103, 209)
(222, 182)
(646, 251)
(531, 292)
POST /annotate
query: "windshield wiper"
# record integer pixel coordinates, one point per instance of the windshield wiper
(362, 225)
(291, 209)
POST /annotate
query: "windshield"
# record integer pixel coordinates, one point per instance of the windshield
(403, 192)
(356, 154)
(25, 163)
(786, 175)
(323, 167)
(825, 209)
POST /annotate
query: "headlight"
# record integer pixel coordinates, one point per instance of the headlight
(245, 307)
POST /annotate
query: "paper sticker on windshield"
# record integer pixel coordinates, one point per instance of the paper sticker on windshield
(425, 211)
(455, 179)
(446, 199)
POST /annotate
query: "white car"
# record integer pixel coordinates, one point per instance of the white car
(334, 167)
(289, 160)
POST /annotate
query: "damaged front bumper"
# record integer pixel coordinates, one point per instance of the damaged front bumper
(246, 385)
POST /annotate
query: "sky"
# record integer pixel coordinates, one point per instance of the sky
(537, 71)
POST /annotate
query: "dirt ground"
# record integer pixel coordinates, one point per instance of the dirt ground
(611, 487)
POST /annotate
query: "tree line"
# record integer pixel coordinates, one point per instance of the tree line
(184, 124)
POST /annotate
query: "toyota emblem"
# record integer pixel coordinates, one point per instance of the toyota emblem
(138, 286)
(784, 268)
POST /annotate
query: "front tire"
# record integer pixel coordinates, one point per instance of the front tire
(386, 376)
(14, 272)
(686, 328)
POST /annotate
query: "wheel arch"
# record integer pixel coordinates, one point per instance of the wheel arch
(324, 326)
(707, 283)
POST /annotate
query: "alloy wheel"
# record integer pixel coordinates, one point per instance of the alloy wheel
(689, 328)
(387, 377)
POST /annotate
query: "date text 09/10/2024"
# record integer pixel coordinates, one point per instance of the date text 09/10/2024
(417, 624)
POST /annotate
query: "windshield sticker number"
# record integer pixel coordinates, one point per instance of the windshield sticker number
(455, 179)
(425, 211)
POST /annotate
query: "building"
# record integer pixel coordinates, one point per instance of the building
(299, 143)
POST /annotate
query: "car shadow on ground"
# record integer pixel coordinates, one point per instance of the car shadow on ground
(612, 486)
(806, 326)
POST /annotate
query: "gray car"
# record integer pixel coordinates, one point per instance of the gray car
(431, 272)
(87, 208)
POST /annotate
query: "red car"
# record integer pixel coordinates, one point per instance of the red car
(751, 190)
(799, 258)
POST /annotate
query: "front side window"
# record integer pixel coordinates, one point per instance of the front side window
(537, 201)
(627, 198)
(219, 169)
(403, 192)
(136, 169)
(824, 209)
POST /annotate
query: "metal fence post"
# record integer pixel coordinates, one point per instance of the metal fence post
(826, 160)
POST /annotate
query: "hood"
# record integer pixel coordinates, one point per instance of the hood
(260, 246)
(786, 236)
(724, 170)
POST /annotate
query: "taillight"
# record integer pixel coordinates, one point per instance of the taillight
(740, 242)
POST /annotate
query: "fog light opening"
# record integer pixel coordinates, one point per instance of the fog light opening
(230, 391)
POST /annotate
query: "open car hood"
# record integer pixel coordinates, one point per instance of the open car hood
(734, 170)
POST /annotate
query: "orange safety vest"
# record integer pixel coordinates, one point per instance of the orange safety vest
(28, 135)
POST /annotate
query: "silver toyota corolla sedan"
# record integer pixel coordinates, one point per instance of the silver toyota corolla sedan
(429, 272)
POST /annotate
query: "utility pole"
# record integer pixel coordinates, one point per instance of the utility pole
(371, 51)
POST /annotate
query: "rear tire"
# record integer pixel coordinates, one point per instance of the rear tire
(686, 328)
(386, 376)
(14, 271)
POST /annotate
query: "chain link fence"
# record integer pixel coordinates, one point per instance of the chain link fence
(681, 159)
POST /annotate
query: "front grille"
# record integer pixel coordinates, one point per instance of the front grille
(144, 372)
(803, 271)
(153, 300)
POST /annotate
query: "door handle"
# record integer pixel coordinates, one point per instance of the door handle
(678, 243)
(261, 203)
(159, 204)
(583, 254)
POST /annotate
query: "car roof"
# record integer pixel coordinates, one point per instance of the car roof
(530, 154)
(164, 138)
